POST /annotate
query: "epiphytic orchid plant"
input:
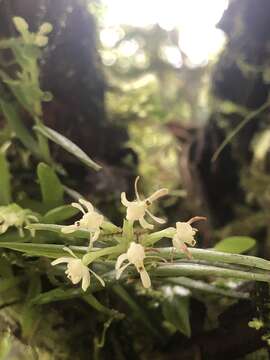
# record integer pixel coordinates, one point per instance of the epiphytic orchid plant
(100, 253)
(130, 247)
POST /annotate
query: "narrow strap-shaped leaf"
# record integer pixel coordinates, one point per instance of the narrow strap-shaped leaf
(60, 214)
(199, 270)
(48, 250)
(212, 256)
(67, 144)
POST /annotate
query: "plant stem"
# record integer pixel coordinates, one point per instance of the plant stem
(93, 255)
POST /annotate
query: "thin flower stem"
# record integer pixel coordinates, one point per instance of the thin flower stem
(217, 256)
(175, 270)
(151, 239)
(95, 254)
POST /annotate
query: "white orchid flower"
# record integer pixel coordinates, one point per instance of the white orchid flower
(135, 256)
(137, 209)
(185, 234)
(14, 215)
(76, 270)
(91, 221)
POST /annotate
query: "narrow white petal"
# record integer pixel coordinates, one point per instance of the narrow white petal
(145, 278)
(121, 258)
(96, 235)
(78, 206)
(193, 242)
(3, 228)
(180, 246)
(87, 204)
(85, 279)
(98, 277)
(93, 239)
(32, 232)
(70, 252)
(144, 224)
(157, 219)
(157, 194)
(69, 229)
(21, 233)
(136, 188)
(124, 200)
(61, 260)
(119, 271)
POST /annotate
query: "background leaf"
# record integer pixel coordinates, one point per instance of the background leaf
(51, 188)
(5, 188)
(59, 214)
(68, 145)
(175, 309)
(235, 244)
(5, 345)
(12, 116)
(48, 250)
(31, 315)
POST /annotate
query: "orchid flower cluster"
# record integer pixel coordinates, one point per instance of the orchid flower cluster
(130, 250)
(14, 216)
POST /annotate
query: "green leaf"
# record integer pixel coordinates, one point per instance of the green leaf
(31, 315)
(5, 188)
(51, 188)
(60, 214)
(199, 270)
(235, 244)
(136, 309)
(12, 116)
(48, 250)
(68, 145)
(94, 303)
(8, 283)
(175, 309)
